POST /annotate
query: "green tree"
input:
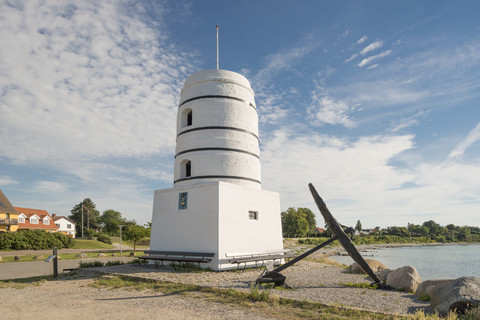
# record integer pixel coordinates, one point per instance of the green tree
(310, 217)
(135, 233)
(358, 226)
(295, 223)
(109, 221)
(90, 216)
(433, 227)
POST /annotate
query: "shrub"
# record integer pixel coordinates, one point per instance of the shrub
(114, 263)
(34, 240)
(104, 238)
(91, 264)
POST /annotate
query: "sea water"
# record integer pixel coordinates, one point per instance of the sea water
(431, 262)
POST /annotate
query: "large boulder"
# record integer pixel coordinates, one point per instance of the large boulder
(374, 265)
(404, 278)
(383, 274)
(426, 287)
(460, 295)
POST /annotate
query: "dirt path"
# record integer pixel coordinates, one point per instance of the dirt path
(73, 298)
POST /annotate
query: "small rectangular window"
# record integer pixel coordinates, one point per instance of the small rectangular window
(253, 215)
(182, 200)
(69, 226)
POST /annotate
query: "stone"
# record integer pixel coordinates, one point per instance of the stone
(40, 257)
(81, 255)
(404, 278)
(383, 274)
(0, 259)
(427, 286)
(102, 255)
(114, 254)
(374, 265)
(460, 295)
(17, 258)
(132, 254)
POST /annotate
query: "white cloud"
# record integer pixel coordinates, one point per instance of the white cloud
(51, 186)
(362, 39)
(366, 61)
(472, 137)
(92, 81)
(371, 47)
(327, 110)
(6, 180)
(357, 181)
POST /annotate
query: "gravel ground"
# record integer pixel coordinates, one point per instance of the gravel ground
(312, 281)
(75, 299)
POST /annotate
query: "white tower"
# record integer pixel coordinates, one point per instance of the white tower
(217, 204)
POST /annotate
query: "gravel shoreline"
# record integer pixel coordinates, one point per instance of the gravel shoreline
(311, 281)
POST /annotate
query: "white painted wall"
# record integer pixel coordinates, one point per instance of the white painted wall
(64, 223)
(217, 220)
(218, 112)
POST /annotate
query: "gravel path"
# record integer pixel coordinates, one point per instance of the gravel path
(312, 281)
(75, 299)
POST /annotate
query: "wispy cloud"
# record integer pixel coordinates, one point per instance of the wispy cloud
(6, 180)
(472, 137)
(51, 186)
(368, 60)
(371, 47)
(362, 39)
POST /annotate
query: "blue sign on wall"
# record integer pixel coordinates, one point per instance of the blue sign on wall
(182, 200)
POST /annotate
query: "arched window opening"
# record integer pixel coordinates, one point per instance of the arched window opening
(187, 118)
(188, 169)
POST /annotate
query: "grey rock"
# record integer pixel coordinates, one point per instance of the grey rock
(404, 278)
(114, 254)
(17, 258)
(132, 254)
(383, 274)
(0, 259)
(81, 255)
(460, 295)
(427, 286)
(102, 255)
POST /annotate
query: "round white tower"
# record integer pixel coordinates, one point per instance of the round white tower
(217, 131)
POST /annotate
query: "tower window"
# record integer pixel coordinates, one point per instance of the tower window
(187, 118)
(253, 215)
(188, 169)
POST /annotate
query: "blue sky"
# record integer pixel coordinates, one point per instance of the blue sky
(377, 103)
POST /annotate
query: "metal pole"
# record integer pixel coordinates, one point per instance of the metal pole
(55, 262)
(82, 220)
(120, 226)
(217, 47)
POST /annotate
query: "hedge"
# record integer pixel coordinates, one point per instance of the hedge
(34, 240)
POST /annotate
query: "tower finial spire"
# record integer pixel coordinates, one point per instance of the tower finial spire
(217, 47)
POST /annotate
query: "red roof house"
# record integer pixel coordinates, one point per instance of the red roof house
(35, 219)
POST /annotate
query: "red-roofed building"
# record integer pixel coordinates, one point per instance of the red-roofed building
(35, 219)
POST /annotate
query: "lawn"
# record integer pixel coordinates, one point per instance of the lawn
(91, 244)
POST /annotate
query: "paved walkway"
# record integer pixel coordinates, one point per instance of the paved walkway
(27, 269)
(116, 247)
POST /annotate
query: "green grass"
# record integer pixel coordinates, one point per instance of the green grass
(91, 244)
(24, 282)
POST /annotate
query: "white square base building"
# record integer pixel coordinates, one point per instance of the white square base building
(218, 217)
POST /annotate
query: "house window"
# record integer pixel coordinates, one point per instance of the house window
(58, 225)
(2, 204)
(187, 118)
(253, 215)
(46, 221)
(21, 220)
(69, 226)
(182, 200)
(34, 220)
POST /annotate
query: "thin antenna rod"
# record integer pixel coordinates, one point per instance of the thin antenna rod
(217, 47)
